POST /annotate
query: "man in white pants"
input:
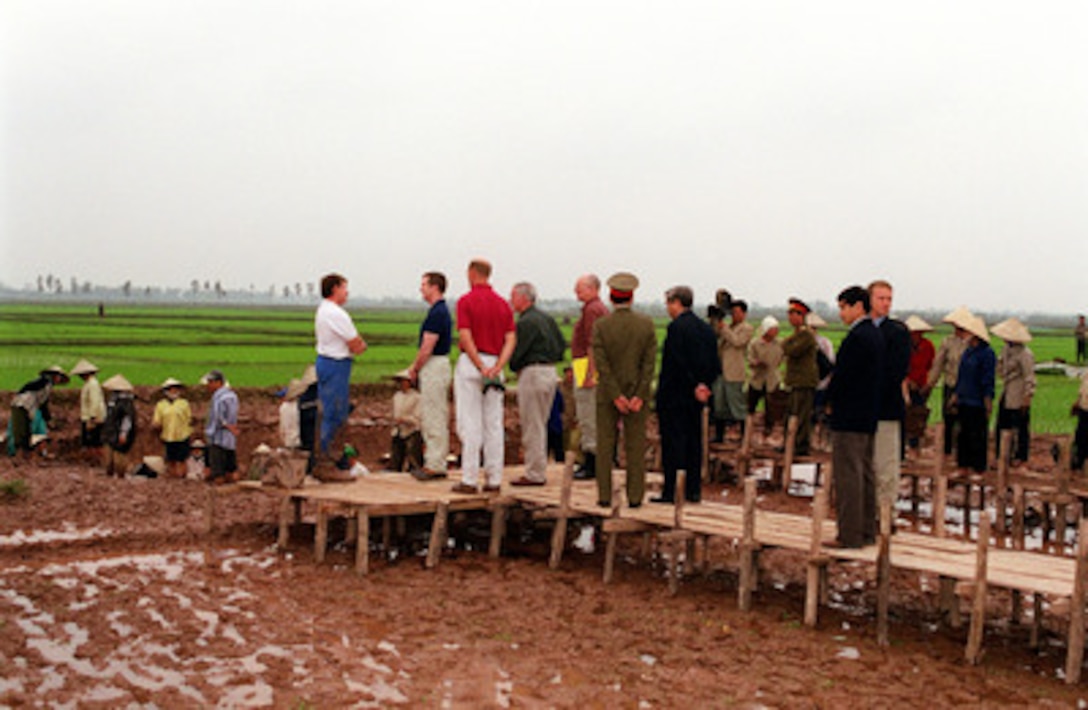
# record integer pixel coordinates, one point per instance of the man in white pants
(486, 337)
(540, 346)
(431, 369)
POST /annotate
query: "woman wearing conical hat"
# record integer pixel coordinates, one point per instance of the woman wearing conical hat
(1016, 368)
(92, 411)
(974, 395)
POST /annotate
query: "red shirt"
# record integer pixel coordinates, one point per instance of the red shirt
(921, 360)
(582, 337)
(487, 315)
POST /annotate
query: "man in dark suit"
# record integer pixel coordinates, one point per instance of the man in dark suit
(689, 365)
(624, 350)
(854, 399)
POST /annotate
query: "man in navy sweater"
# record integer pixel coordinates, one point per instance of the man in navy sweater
(854, 399)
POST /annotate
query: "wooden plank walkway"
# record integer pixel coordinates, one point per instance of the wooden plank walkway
(388, 495)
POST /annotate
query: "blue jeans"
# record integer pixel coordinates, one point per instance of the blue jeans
(333, 377)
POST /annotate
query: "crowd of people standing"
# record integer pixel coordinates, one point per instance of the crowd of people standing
(866, 392)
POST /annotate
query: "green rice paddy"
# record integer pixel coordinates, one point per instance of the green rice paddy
(267, 346)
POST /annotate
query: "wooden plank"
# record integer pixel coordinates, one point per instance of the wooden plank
(438, 534)
(321, 532)
(978, 610)
(1075, 651)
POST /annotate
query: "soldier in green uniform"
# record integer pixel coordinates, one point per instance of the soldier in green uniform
(624, 352)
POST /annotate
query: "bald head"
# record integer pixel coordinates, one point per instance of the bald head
(587, 287)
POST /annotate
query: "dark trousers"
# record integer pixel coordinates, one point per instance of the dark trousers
(855, 487)
(951, 420)
(1019, 421)
(801, 400)
(406, 450)
(1080, 440)
(682, 448)
(971, 442)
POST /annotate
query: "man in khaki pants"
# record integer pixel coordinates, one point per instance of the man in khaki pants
(539, 347)
(431, 369)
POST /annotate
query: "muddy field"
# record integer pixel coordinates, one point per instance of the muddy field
(110, 596)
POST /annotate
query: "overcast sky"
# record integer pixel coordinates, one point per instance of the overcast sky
(772, 148)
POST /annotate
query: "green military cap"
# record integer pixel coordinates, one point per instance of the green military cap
(623, 281)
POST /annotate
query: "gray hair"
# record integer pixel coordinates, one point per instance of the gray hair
(526, 289)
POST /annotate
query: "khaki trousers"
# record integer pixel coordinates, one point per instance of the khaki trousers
(434, 392)
(536, 392)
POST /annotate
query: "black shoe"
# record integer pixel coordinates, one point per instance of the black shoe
(604, 504)
(583, 474)
(662, 499)
(696, 499)
(342, 464)
(634, 505)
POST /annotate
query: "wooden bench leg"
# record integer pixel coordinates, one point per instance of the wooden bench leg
(438, 534)
(978, 610)
(362, 540)
(321, 533)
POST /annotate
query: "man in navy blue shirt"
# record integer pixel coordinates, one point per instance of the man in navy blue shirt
(431, 369)
(853, 397)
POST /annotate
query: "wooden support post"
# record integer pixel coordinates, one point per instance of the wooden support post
(1001, 488)
(1064, 479)
(362, 540)
(559, 532)
(748, 547)
(704, 462)
(438, 533)
(1017, 607)
(284, 522)
(1019, 510)
(744, 456)
(321, 532)
(498, 529)
(1075, 653)
(610, 556)
(790, 449)
(884, 574)
(940, 501)
(948, 602)
(678, 499)
(978, 609)
(1036, 620)
(817, 561)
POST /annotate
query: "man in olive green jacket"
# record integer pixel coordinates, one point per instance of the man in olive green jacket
(802, 373)
(624, 352)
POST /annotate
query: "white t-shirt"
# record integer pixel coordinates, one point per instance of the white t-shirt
(334, 330)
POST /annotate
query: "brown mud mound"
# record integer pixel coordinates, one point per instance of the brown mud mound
(108, 598)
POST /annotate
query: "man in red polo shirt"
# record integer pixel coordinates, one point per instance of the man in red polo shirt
(486, 337)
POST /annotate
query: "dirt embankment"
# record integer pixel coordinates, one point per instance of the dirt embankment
(107, 598)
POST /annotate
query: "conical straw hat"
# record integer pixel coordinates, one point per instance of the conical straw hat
(976, 326)
(84, 367)
(959, 317)
(917, 325)
(1012, 330)
(118, 383)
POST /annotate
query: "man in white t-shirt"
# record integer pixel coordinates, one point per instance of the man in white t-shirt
(337, 343)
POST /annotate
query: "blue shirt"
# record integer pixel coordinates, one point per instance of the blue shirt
(976, 377)
(438, 321)
(222, 410)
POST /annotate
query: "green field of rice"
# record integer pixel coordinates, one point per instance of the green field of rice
(267, 346)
